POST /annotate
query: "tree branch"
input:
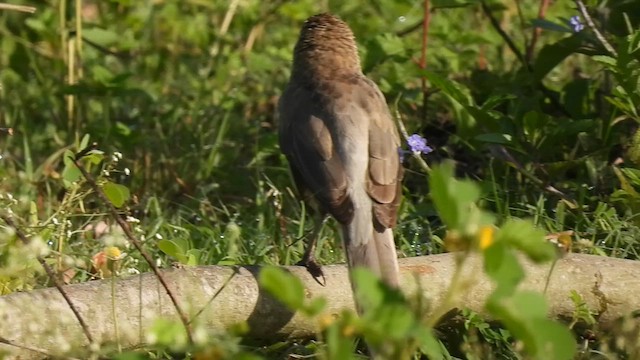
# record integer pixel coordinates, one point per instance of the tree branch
(225, 296)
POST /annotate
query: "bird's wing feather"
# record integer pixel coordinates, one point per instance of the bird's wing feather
(306, 140)
(385, 171)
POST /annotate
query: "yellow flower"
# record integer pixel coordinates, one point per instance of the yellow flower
(105, 262)
(485, 236)
(112, 252)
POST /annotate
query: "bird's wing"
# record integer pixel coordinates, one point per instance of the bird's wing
(306, 140)
(385, 170)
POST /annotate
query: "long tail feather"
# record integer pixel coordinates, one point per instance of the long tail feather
(376, 252)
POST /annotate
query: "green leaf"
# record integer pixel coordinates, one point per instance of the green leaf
(551, 55)
(525, 315)
(283, 286)
(396, 320)
(391, 44)
(495, 100)
(447, 4)
(367, 289)
(101, 36)
(550, 25)
(94, 157)
(454, 199)
(524, 236)
(610, 62)
(502, 266)
(448, 87)
(116, 193)
(70, 174)
(428, 344)
(371, 292)
(84, 142)
(172, 249)
(192, 257)
(554, 339)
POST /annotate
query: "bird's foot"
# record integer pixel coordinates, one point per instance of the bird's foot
(314, 268)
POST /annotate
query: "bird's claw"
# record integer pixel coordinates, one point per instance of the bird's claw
(314, 269)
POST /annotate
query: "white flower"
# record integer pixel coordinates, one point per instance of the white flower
(133, 220)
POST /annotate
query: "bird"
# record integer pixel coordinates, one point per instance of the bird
(342, 146)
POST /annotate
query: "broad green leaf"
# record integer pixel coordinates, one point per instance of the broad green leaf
(448, 87)
(94, 157)
(68, 157)
(116, 193)
(634, 42)
(397, 319)
(551, 55)
(391, 44)
(524, 236)
(525, 315)
(372, 293)
(445, 204)
(555, 340)
(429, 345)
(610, 62)
(70, 173)
(283, 286)
(516, 313)
(340, 346)
(549, 25)
(502, 266)
(84, 142)
(367, 289)
(101, 36)
(495, 100)
(192, 257)
(172, 249)
(454, 199)
(447, 4)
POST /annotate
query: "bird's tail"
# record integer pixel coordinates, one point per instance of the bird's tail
(369, 248)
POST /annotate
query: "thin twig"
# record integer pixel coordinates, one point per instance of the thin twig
(132, 239)
(542, 12)
(214, 296)
(503, 34)
(405, 135)
(52, 276)
(30, 348)
(410, 29)
(592, 26)
(22, 8)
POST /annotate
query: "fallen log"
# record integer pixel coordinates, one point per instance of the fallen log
(222, 296)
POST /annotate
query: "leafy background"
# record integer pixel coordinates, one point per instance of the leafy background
(180, 98)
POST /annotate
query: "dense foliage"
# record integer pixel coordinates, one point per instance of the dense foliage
(534, 102)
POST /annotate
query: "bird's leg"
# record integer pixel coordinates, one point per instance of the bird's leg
(309, 258)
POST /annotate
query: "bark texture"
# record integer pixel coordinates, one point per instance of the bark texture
(223, 296)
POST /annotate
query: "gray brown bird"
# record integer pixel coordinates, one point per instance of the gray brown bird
(342, 145)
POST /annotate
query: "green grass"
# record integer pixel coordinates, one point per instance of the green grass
(187, 90)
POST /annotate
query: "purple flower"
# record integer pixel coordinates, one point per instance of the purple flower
(576, 24)
(418, 144)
